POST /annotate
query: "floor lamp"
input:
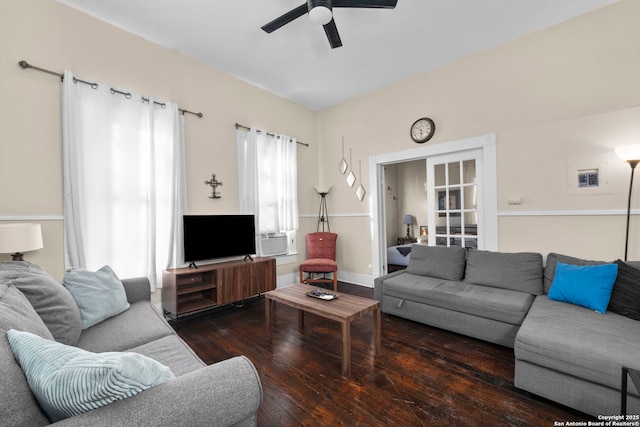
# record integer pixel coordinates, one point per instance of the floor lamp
(323, 215)
(631, 154)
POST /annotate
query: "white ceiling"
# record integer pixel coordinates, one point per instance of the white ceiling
(296, 62)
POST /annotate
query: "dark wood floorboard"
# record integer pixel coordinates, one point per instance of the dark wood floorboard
(424, 376)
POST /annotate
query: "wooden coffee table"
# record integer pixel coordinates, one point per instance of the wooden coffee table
(343, 309)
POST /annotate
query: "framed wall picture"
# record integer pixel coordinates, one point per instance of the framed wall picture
(423, 230)
(451, 203)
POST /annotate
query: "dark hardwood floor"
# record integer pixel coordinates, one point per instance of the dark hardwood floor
(424, 376)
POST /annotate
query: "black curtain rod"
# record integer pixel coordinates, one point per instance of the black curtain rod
(24, 65)
(238, 125)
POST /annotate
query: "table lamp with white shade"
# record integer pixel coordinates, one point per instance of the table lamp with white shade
(18, 238)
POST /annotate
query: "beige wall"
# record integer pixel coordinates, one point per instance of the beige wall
(561, 93)
(564, 92)
(50, 35)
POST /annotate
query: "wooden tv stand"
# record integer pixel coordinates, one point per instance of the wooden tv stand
(187, 290)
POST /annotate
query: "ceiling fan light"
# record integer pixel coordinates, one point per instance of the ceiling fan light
(320, 15)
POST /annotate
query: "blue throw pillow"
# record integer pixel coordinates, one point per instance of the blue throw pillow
(588, 286)
(99, 295)
(68, 381)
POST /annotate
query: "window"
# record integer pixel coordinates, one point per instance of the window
(268, 188)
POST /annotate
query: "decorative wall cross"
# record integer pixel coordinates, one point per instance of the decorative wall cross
(214, 183)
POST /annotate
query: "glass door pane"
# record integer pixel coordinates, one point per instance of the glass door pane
(452, 190)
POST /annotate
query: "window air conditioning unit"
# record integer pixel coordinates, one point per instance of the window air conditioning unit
(274, 244)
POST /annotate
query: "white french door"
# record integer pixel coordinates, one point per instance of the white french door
(454, 198)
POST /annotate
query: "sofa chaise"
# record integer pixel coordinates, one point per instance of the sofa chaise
(563, 352)
(227, 393)
(573, 355)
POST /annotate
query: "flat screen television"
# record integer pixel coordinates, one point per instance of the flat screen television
(207, 237)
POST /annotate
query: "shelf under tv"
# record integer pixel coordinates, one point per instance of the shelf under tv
(187, 290)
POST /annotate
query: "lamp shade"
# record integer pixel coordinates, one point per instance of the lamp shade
(629, 152)
(22, 237)
(408, 219)
(323, 189)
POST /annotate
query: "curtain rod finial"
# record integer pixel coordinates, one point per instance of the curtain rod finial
(24, 64)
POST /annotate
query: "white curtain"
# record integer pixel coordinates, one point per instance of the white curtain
(124, 180)
(268, 179)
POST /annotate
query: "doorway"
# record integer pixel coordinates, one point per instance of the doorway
(461, 193)
(405, 196)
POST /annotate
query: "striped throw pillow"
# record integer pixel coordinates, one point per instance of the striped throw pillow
(68, 381)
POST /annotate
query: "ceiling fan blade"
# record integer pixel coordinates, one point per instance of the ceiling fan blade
(286, 18)
(331, 31)
(368, 4)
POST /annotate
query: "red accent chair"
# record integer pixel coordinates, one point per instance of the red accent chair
(321, 259)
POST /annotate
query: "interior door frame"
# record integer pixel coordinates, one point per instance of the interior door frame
(487, 144)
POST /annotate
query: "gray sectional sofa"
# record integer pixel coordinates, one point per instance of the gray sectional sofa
(563, 352)
(227, 393)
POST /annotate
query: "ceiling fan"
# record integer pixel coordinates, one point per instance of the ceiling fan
(320, 13)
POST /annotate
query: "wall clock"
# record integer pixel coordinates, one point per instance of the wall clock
(422, 130)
